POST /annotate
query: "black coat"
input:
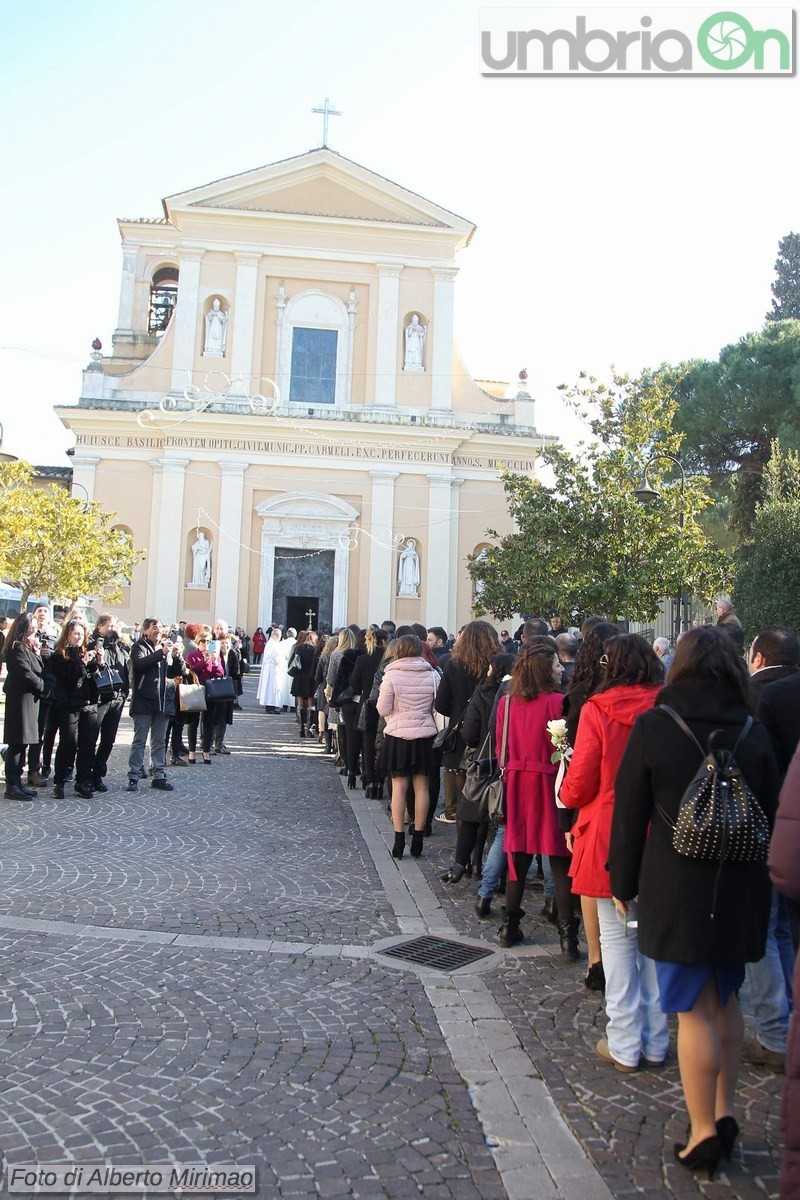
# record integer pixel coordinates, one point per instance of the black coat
(677, 895)
(363, 678)
(116, 657)
(24, 686)
(75, 686)
(779, 710)
(303, 684)
(455, 691)
(764, 678)
(344, 674)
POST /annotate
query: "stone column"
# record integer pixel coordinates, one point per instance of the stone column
(381, 546)
(388, 334)
(169, 561)
(244, 323)
(130, 257)
(442, 354)
(83, 473)
(185, 319)
(438, 581)
(226, 554)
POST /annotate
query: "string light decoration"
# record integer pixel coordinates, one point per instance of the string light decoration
(200, 399)
(348, 539)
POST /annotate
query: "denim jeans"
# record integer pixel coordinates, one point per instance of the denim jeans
(154, 724)
(636, 1025)
(766, 986)
(548, 882)
(494, 864)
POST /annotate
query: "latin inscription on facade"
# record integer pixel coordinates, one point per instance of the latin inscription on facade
(323, 450)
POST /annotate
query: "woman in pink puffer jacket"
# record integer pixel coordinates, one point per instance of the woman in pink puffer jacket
(406, 701)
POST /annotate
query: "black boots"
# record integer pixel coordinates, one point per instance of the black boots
(483, 906)
(15, 791)
(510, 933)
(550, 909)
(568, 933)
(399, 845)
(329, 741)
(416, 843)
(455, 873)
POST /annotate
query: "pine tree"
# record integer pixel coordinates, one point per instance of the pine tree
(786, 288)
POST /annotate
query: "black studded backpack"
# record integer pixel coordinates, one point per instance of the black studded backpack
(719, 818)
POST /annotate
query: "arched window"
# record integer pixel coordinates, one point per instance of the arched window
(163, 298)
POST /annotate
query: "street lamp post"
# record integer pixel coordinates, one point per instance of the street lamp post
(645, 493)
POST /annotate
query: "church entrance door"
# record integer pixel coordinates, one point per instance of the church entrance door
(303, 579)
(297, 610)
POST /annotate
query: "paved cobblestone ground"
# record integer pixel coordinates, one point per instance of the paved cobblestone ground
(209, 996)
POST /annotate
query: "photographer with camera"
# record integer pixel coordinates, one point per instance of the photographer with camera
(155, 661)
(74, 667)
(113, 692)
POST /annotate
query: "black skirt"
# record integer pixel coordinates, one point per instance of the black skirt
(407, 756)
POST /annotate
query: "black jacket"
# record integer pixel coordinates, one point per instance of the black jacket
(74, 680)
(344, 675)
(677, 895)
(25, 685)
(764, 678)
(115, 656)
(364, 676)
(303, 684)
(455, 691)
(779, 710)
(477, 719)
(153, 687)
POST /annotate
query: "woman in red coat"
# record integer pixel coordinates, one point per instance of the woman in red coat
(530, 775)
(259, 642)
(637, 1028)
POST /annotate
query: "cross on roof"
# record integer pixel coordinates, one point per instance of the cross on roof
(326, 111)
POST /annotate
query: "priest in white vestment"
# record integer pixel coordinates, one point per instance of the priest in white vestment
(287, 649)
(273, 670)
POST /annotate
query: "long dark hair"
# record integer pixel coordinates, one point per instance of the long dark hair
(20, 628)
(707, 654)
(475, 647)
(589, 674)
(631, 660)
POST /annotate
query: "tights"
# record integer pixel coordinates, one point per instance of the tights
(515, 888)
(471, 838)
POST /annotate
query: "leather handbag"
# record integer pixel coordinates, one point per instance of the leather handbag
(446, 739)
(295, 666)
(107, 681)
(495, 793)
(192, 697)
(221, 689)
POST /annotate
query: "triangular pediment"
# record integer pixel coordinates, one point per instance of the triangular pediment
(321, 184)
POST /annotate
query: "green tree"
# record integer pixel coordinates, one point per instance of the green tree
(786, 288)
(55, 545)
(767, 576)
(731, 409)
(583, 543)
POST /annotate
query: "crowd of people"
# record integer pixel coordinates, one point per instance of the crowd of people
(66, 688)
(590, 757)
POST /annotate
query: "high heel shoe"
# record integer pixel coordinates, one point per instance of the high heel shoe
(206, 759)
(399, 845)
(455, 873)
(191, 759)
(416, 844)
(727, 1132)
(704, 1156)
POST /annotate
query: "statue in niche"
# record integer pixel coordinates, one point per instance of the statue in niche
(415, 345)
(216, 331)
(201, 562)
(480, 585)
(408, 570)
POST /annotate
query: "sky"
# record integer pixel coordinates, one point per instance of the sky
(621, 221)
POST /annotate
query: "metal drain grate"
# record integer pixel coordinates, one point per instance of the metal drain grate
(438, 953)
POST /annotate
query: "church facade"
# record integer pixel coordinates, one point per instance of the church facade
(284, 423)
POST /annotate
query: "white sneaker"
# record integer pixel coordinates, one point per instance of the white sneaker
(444, 819)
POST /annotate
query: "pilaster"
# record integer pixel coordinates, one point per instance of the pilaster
(439, 582)
(83, 474)
(127, 289)
(381, 546)
(244, 322)
(225, 567)
(387, 334)
(169, 560)
(442, 354)
(185, 318)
